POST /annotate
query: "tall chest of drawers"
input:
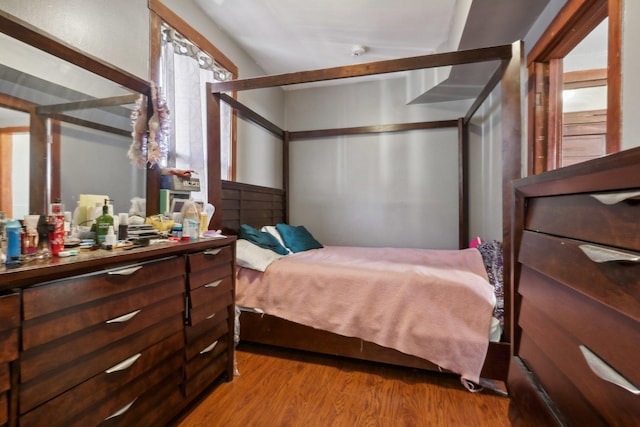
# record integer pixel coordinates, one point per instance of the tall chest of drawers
(577, 279)
(105, 341)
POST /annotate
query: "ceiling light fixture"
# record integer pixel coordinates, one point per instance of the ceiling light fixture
(358, 50)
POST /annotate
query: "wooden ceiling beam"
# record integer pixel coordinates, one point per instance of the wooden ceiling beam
(381, 67)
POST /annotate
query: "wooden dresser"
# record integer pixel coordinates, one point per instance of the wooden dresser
(9, 331)
(577, 288)
(108, 338)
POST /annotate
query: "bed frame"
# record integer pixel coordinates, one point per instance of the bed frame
(258, 206)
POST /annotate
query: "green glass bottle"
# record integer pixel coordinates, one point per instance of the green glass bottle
(103, 222)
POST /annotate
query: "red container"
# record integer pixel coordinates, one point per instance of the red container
(56, 233)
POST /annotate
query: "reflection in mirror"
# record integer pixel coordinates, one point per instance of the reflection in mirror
(14, 163)
(584, 99)
(87, 120)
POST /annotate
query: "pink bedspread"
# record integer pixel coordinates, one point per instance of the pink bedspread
(434, 304)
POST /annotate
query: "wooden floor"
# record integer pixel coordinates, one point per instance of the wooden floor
(278, 387)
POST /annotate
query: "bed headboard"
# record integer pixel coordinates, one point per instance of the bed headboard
(251, 204)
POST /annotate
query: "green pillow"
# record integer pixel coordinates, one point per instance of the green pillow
(297, 239)
(262, 239)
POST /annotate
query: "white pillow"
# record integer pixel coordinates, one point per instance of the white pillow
(253, 256)
(271, 229)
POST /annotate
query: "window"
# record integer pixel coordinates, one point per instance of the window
(188, 45)
(184, 72)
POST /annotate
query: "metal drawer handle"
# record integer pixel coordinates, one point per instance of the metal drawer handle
(125, 364)
(599, 254)
(125, 271)
(211, 316)
(213, 284)
(211, 347)
(121, 411)
(213, 251)
(606, 372)
(124, 318)
(613, 198)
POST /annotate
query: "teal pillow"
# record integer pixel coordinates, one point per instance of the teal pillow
(297, 239)
(262, 239)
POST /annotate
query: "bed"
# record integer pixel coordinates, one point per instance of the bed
(260, 206)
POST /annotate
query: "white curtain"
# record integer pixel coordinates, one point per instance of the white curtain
(184, 74)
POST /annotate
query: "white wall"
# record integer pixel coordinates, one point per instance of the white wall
(393, 189)
(116, 30)
(541, 24)
(485, 170)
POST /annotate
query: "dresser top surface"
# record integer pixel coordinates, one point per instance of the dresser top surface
(616, 171)
(85, 261)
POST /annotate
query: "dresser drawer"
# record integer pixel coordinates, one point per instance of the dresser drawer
(583, 217)
(217, 311)
(155, 408)
(59, 295)
(127, 379)
(207, 325)
(208, 258)
(202, 361)
(82, 317)
(612, 283)
(4, 408)
(212, 275)
(212, 368)
(5, 379)
(9, 312)
(117, 408)
(559, 387)
(39, 361)
(206, 302)
(611, 335)
(9, 323)
(205, 269)
(43, 388)
(5, 384)
(558, 321)
(212, 289)
(8, 345)
(201, 340)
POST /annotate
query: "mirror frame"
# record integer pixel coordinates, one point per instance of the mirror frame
(18, 29)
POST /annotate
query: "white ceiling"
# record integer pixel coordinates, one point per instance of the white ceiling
(285, 36)
(295, 35)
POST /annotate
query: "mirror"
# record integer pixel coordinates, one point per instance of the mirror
(77, 124)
